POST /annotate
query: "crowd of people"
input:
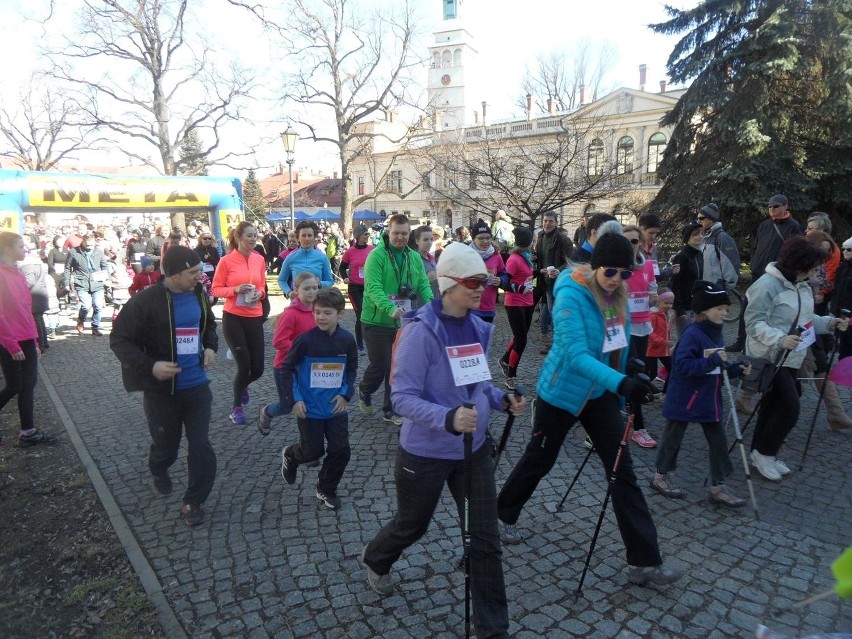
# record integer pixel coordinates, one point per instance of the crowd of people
(609, 316)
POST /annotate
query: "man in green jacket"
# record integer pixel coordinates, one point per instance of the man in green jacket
(393, 277)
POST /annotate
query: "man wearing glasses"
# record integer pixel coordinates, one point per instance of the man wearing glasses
(721, 257)
(771, 235)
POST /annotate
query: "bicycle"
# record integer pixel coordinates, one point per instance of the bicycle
(735, 311)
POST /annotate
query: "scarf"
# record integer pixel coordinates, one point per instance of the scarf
(484, 254)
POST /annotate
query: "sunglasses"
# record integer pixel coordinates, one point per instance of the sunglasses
(847, 249)
(471, 283)
(625, 273)
(775, 206)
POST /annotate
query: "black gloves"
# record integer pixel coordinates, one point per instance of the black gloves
(637, 391)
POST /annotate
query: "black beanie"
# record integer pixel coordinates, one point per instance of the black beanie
(178, 259)
(523, 235)
(688, 230)
(613, 249)
(707, 295)
(712, 211)
(479, 228)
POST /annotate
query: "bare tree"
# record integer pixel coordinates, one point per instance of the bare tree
(351, 64)
(524, 168)
(157, 84)
(40, 129)
(558, 77)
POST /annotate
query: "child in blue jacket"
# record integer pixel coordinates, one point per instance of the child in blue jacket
(695, 394)
(318, 382)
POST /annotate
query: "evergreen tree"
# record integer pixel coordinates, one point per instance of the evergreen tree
(255, 205)
(768, 109)
(192, 157)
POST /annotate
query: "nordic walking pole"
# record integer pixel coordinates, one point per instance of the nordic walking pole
(739, 441)
(622, 447)
(520, 391)
(576, 477)
(468, 483)
(844, 313)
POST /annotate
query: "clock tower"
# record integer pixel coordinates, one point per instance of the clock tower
(452, 59)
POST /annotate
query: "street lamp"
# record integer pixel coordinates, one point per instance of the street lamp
(289, 138)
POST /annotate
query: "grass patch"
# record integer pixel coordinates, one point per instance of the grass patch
(99, 586)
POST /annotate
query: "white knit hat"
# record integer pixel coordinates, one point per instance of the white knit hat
(458, 260)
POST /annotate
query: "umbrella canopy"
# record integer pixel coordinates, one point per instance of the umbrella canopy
(325, 214)
(277, 217)
(366, 215)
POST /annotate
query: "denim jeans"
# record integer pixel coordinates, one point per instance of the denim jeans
(602, 420)
(379, 341)
(546, 317)
(20, 378)
(276, 409)
(419, 484)
(717, 443)
(188, 410)
(330, 436)
(90, 300)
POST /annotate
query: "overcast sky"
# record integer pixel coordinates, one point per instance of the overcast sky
(508, 35)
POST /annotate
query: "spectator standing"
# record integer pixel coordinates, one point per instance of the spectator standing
(393, 278)
(241, 279)
(434, 398)
(86, 269)
(494, 265)
(552, 249)
(721, 257)
(319, 381)
(165, 339)
(519, 285)
(352, 273)
(771, 234)
(687, 268)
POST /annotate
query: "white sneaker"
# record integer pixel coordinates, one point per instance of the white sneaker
(781, 467)
(765, 465)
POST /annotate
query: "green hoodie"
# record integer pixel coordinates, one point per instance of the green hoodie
(384, 277)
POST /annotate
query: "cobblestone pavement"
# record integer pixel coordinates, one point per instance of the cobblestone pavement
(272, 562)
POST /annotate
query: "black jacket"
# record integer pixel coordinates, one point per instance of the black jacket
(691, 262)
(144, 333)
(558, 255)
(770, 237)
(841, 297)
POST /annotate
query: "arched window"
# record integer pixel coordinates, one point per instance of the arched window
(457, 58)
(622, 214)
(624, 156)
(446, 59)
(656, 148)
(590, 210)
(596, 157)
(436, 60)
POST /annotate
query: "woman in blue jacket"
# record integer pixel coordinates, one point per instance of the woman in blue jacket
(581, 379)
(695, 394)
(447, 393)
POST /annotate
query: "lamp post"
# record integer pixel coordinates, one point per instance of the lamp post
(289, 138)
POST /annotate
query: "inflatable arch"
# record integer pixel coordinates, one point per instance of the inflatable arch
(34, 191)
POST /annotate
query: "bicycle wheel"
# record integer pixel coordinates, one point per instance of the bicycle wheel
(736, 309)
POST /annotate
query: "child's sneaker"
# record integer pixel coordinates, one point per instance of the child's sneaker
(329, 500)
(244, 400)
(264, 422)
(35, 438)
(365, 403)
(238, 416)
(643, 439)
(510, 383)
(288, 467)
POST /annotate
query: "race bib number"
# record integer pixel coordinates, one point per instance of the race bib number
(58, 268)
(707, 353)
(100, 276)
(327, 374)
(808, 336)
(400, 302)
(137, 257)
(656, 267)
(207, 267)
(187, 341)
(616, 337)
(639, 303)
(468, 364)
(361, 272)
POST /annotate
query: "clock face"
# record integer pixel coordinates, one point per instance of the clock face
(445, 79)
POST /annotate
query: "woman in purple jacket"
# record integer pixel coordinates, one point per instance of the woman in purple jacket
(431, 395)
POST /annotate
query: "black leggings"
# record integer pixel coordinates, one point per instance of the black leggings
(356, 297)
(520, 319)
(639, 349)
(244, 336)
(20, 377)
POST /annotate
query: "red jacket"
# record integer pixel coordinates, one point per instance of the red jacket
(295, 320)
(658, 341)
(143, 280)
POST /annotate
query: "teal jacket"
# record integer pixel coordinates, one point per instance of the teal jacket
(575, 369)
(383, 277)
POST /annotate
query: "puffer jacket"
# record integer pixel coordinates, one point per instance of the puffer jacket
(576, 369)
(773, 302)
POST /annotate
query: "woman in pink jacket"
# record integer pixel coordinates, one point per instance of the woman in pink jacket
(18, 340)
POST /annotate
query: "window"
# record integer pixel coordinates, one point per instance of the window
(472, 181)
(596, 157)
(393, 182)
(427, 180)
(656, 148)
(624, 156)
(362, 185)
(450, 177)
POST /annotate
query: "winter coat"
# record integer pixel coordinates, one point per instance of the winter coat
(721, 257)
(143, 280)
(558, 255)
(842, 296)
(694, 391)
(35, 273)
(209, 257)
(773, 302)
(768, 240)
(16, 318)
(295, 320)
(691, 263)
(144, 333)
(576, 369)
(424, 391)
(87, 269)
(382, 277)
(658, 342)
